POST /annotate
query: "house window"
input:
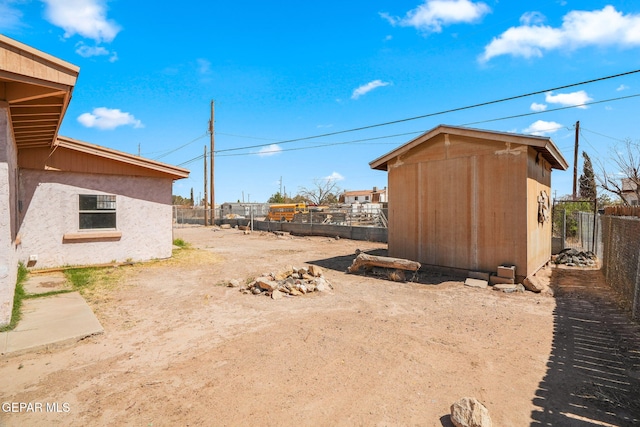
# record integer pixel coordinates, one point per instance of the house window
(366, 198)
(356, 198)
(97, 211)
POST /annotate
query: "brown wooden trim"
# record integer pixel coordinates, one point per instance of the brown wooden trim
(92, 236)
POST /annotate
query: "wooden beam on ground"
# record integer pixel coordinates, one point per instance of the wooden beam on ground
(364, 260)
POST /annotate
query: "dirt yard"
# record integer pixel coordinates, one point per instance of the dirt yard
(182, 349)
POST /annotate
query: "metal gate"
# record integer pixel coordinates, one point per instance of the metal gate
(576, 225)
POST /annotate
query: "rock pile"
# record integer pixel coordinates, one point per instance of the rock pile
(291, 281)
(575, 258)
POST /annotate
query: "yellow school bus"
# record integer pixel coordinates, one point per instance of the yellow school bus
(285, 211)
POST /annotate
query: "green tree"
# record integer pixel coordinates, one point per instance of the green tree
(588, 188)
(179, 200)
(277, 198)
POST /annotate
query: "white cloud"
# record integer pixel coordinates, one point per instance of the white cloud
(622, 87)
(108, 118)
(532, 18)
(606, 27)
(89, 51)
(431, 16)
(10, 17)
(542, 128)
(87, 18)
(204, 66)
(569, 99)
(538, 107)
(335, 176)
(269, 150)
(366, 88)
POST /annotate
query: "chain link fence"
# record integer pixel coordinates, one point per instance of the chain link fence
(576, 224)
(364, 215)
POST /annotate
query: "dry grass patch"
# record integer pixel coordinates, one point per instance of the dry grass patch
(95, 284)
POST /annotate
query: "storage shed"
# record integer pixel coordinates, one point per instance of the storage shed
(471, 199)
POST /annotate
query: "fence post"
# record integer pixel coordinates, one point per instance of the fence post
(564, 228)
(594, 231)
(636, 294)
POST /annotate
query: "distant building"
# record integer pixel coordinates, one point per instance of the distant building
(630, 191)
(365, 196)
(244, 209)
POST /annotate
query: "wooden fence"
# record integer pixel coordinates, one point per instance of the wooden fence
(622, 210)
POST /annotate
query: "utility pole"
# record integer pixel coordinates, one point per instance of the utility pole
(211, 127)
(575, 162)
(205, 186)
(280, 185)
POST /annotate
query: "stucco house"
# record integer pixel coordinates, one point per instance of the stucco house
(374, 195)
(63, 201)
(471, 200)
(630, 191)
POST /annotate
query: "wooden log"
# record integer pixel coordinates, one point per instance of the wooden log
(364, 260)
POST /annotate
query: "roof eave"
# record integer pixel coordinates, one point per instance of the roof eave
(174, 172)
(542, 144)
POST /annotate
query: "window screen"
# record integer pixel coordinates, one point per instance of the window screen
(97, 211)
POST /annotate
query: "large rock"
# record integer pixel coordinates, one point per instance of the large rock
(322, 285)
(315, 271)
(282, 275)
(397, 276)
(233, 283)
(505, 287)
(469, 412)
(266, 283)
(476, 283)
(533, 284)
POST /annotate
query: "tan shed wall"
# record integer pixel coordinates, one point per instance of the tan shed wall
(538, 235)
(460, 202)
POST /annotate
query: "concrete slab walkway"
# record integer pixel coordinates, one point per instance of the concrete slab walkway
(50, 320)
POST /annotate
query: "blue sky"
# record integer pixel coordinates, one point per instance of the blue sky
(285, 70)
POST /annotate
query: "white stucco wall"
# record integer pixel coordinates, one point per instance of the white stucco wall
(8, 189)
(50, 210)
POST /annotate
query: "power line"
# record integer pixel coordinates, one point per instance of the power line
(182, 146)
(420, 131)
(452, 110)
(554, 109)
(246, 137)
(356, 141)
(604, 136)
(584, 138)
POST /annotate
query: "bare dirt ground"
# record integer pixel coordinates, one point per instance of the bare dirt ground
(181, 349)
